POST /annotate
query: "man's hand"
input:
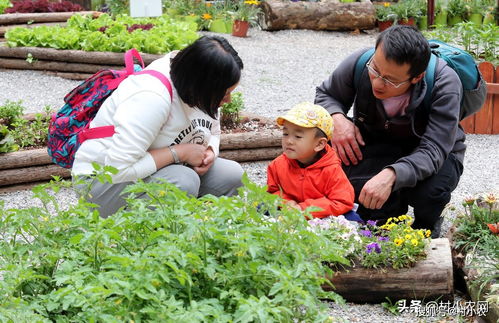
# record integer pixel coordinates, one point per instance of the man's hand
(377, 190)
(209, 158)
(346, 140)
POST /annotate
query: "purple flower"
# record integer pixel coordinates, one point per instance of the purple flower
(371, 223)
(373, 246)
(383, 238)
(366, 233)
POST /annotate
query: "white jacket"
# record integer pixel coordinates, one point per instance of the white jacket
(144, 118)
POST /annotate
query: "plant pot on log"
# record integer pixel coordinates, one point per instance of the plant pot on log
(382, 25)
(240, 28)
(431, 278)
(330, 15)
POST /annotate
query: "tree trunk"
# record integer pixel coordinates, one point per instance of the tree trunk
(72, 56)
(3, 29)
(31, 174)
(428, 279)
(54, 66)
(278, 14)
(22, 18)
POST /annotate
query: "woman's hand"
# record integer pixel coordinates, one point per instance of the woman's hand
(209, 158)
(346, 140)
(192, 154)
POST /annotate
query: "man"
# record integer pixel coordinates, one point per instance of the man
(395, 151)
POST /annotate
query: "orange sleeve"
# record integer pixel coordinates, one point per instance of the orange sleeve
(339, 198)
(273, 185)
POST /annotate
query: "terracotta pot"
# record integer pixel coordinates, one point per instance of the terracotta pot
(382, 25)
(409, 21)
(240, 28)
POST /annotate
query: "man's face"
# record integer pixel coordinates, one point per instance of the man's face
(389, 79)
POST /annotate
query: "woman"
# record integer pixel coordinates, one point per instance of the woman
(157, 137)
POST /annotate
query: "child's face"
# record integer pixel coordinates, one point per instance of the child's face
(301, 143)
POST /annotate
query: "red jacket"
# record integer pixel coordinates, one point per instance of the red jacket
(322, 184)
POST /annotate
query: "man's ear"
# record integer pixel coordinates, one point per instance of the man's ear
(418, 78)
(321, 143)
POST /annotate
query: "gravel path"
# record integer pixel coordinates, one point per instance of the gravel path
(281, 69)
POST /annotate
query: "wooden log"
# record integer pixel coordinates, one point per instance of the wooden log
(278, 14)
(71, 56)
(255, 154)
(19, 187)
(22, 18)
(255, 139)
(24, 158)
(31, 174)
(69, 76)
(3, 29)
(13, 63)
(430, 278)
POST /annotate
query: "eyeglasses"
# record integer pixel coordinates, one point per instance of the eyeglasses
(376, 75)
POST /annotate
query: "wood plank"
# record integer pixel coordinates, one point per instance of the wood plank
(22, 18)
(468, 124)
(483, 118)
(430, 278)
(71, 56)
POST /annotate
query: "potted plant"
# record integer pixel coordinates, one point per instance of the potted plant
(244, 13)
(490, 11)
(457, 10)
(423, 17)
(406, 11)
(440, 13)
(384, 15)
(475, 10)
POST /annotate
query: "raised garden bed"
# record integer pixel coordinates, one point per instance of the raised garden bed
(31, 20)
(330, 15)
(25, 168)
(431, 278)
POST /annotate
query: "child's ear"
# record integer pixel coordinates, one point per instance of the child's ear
(321, 144)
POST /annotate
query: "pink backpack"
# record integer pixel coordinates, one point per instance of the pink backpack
(69, 127)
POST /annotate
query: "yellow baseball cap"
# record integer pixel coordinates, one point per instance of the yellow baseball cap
(309, 115)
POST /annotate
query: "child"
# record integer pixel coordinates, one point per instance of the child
(309, 172)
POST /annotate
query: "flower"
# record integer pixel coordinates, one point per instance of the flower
(206, 16)
(371, 222)
(414, 242)
(398, 242)
(427, 233)
(383, 238)
(490, 199)
(366, 233)
(252, 2)
(494, 228)
(373, 246)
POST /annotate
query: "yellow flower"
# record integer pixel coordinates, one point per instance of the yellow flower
(208, 4)
(427, 233)
(490, 199)
(253, 2)
(398, 241)
(420, 233)
(408, 230)
(206, 16)
(386, 4)
(389, 220)
(414, 242)
(162, 193)
(408, 237)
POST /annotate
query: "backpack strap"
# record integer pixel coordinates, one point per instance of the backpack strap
(360, 65)
(161, 77)
(430, 80)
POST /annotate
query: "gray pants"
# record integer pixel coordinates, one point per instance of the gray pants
(222, 179)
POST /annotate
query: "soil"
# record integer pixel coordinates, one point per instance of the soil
(248, 123)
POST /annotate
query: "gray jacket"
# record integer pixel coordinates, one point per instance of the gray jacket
(435, 134)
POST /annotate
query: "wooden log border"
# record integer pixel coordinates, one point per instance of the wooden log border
(25, 18)
(431, 278)
(34, 165)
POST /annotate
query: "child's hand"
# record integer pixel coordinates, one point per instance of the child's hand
(293, 204)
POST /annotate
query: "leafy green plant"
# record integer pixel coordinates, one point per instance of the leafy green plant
(246, 10)
(384, 12)
(456, 8)
(10, 111)
(392, 307)
(4, 4)
(230, 111)
(168, 257)
(7, 143)
(32, 133)
(108, 34)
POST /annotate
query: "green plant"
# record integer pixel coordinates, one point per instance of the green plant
(230, 111)
(117, 7)
(246, 10)
(475, 6)
(392, 307)
(10, 111)
(168, 257)
(7, 143)
(384, 12)
(108, 34)
(32, 133)
(440, 7)
(406, 9)
(456, 8)
(4, 4)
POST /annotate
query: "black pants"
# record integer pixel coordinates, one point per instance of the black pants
(428, 197)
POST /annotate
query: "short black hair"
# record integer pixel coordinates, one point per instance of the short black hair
(203, 71)
(319, 133)
(405, 44)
